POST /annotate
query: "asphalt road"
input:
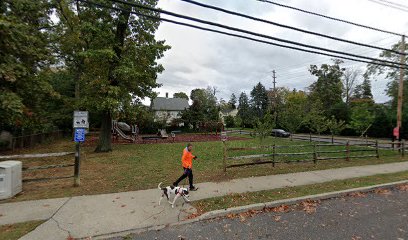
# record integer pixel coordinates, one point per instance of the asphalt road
(371, 216)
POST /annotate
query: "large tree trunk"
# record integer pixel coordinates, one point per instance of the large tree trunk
(105, 134)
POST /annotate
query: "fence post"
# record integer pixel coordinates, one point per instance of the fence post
(347, 151)
(314, 154)
(77, 165)
(403, 148)
(376, 149)
(225, 156)
(310, 137)
(273, 156)
(332, 139)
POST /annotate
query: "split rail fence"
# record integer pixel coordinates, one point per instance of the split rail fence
(41, 167)
(313, 153)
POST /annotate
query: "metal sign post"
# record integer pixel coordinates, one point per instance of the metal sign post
(79, 124)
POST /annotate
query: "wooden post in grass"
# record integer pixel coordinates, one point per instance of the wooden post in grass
(310, 137)
(347, 151)
(314, 154)
(403, 148)
(225, 156)
(273, 155)
(332, 139)
(77, 166)
(376, 149)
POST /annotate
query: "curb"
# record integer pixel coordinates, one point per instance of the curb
(256, 206)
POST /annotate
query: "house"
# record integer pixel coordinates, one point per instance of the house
(168, 109)
(228, 112)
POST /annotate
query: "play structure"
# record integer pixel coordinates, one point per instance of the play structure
(161, 134)
(119, 129)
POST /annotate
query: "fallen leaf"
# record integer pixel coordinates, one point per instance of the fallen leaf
(309, 206)
(403, 187)
(277, 218)
(123, 205)
(357, 194)
(46, 205)
(117, 197)
(383, 191)
(355, 238)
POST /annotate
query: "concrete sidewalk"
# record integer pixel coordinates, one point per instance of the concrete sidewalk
(98, 215)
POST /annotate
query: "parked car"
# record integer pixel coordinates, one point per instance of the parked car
(280, 133)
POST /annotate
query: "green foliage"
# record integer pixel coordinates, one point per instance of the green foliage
(181, 95)
(259, 100)
(335, 126)
(361, 118)
(328, 88)
(264, 126)
(293, 112)
(244, 111)
(315, 119)
(233, 101)
(229, 121)
(204, 107)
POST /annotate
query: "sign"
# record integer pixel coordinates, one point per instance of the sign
(80, 119)
(79, 135)
(396, 132)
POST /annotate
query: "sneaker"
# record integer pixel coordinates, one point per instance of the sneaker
(193, 188)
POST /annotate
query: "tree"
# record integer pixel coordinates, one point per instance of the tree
(204, 107)
(180, 95)
(361, 118)
(293, 112)
(315, 119)
(116, 60)
(25, 50)
(233, 101)
(328, 88)
(259, 100)
(264, 126)
(335, 126)
(363, 90)
(350, 80)
(244, 110)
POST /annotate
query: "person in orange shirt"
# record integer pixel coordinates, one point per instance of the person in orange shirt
(187, 163)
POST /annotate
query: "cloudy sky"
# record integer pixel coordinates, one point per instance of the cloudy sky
(198, 59)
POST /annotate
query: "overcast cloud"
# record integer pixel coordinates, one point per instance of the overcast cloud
(198, 59)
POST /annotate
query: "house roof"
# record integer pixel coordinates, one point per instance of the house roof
(169, 104)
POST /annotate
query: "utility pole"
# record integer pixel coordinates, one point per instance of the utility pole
(401, 86)
(274, 93)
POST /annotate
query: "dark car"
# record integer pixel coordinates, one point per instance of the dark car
(280, 133)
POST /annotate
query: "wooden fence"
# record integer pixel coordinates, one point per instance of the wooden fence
(42, 167)
(27, 141)
(275, 155)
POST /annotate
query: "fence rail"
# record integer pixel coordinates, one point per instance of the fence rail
(315, 155)
(42, 167)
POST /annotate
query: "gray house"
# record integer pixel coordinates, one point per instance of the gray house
(167, 109)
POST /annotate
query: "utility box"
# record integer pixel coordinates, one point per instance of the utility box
(10, 179)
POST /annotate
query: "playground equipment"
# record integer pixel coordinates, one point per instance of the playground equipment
(119, 127)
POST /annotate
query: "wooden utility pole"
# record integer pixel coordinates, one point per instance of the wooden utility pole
(275, 105)
(401, 84)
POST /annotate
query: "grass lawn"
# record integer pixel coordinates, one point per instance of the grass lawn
(143, 166)
(15, 231)
(235, 200)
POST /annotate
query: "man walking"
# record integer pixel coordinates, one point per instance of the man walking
(187, 163)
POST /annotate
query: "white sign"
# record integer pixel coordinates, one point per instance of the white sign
(80, 119)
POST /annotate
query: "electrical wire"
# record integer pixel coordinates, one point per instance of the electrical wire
(331, 18)
(285, 26)
(376, 61)
(388, 5)
(250, 33)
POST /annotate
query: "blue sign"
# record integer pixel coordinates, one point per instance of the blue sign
(79, 135)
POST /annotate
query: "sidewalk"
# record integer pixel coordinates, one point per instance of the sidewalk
(97, 215)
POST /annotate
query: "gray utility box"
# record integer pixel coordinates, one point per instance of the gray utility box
(10, 179)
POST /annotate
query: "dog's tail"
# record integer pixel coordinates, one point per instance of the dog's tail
(159, 185)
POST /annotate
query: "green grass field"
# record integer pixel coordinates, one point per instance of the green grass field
(16, 231)
(143, 166)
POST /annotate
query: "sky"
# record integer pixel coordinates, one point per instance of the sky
(198, 59)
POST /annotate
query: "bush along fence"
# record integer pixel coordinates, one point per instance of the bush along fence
(42, 167)
(27, 141)
(273, 154)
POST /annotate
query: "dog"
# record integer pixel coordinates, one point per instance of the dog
(177, 191)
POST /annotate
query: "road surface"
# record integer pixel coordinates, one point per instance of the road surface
(382, 215)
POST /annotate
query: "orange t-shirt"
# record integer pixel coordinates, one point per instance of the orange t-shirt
(187, 159)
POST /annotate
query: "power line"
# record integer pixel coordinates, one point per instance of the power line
(394, 3)
(251, 33)
(376, 61)
(328, 17)
(388, 5)
(284, 26)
